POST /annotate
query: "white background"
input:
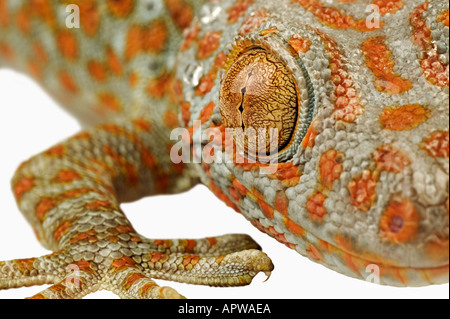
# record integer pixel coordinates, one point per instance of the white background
(30, 122)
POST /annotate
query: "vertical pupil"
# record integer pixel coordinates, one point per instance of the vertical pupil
(258, 94)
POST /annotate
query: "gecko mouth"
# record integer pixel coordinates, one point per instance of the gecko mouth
(343, 259)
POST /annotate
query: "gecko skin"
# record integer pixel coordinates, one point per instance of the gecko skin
(358, 89)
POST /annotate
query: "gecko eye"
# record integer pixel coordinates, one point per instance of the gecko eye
(259, 100)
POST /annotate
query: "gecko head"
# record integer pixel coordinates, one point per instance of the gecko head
(328, 150)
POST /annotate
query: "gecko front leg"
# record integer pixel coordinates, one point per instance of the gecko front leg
(71, 195)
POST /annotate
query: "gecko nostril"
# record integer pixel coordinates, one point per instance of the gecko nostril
(399, 222)
(396, 224)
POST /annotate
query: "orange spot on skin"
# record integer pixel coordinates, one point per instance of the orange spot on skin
(44, 206)
(207, 82)
(58, 288)
(253, 22)
(436, 145)
(109, 102)
(206, 113)
(266, 209)
(25, 265)
(66, 176)
(132, 280)
(330, 168)
(73, 193)
(313, 253)
(129, 170)
(99, 205)
(23, 19)
(238, 10)
(390, 159)
(400, 221)
(61, 230)
(142, 125)
(240, 187)
(288, 174)
(6, 52)
(35, 69)
(315, 208)
(278, 236)
(234, 194)
(67, 82)
(436, 72)
(67, 44)
(186, 260)
(123, 263)
(299, 44)
(164, 243)
(405, 117)
(363, 190)
(89, 236)
(146, 39)
(208, 45)
(212, 241)
(120, 8)
(185, 112)
(56, 151)
(190, 245)
(23, 186)
(379, 60)
(268, 31)
(171, 119)
(40, 53)
(43, 9)
(113, 62)
(4, 14)
(113, 129)
(333, 17)
(148, 159)
(443, 17)
(309, 139)
(97, 70)
(324, 245)
(160, 87)
(347, 104)
(82, 136)
(388, 6)
(281, 203)
(272, 232)
(91, 16)
(190, 35)
(222, 196)
(133, 79)
(180, 12)
(294, 228)
(219, 259)
(113, 239)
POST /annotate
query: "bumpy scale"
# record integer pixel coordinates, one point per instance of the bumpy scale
(360, 97)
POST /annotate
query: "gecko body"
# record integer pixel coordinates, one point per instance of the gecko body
(167, 91)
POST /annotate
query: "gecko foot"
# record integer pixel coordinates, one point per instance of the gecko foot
(127, 266)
